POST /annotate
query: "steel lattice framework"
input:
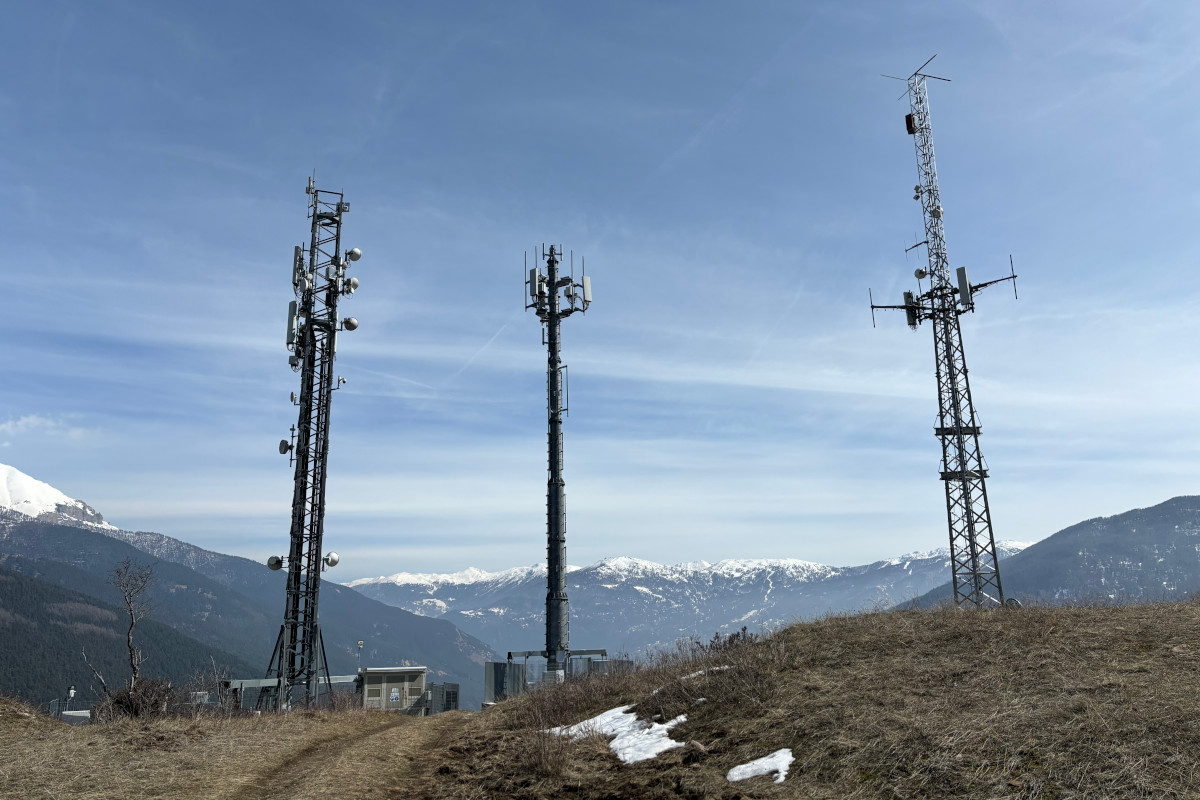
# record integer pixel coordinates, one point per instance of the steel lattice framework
(976, 573)
(318, 279)
(544, 297)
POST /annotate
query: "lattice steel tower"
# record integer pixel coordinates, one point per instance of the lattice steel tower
(976, 573)
(544, 297)
(318, 279)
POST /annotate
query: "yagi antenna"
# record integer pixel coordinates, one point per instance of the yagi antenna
(917, 71)
(915, 74)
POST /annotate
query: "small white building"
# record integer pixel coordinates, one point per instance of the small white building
(393, 688)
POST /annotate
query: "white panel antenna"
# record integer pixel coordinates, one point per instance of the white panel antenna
(291, 328)
(964, 286)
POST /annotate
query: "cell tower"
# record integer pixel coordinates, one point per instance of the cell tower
(318, 279)
(544, 297)
(973, 559)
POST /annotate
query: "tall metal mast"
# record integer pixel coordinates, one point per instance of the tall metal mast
(318, 279)
(544, 298)
(976, 572)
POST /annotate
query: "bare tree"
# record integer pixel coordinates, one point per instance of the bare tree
(96, 672)
(133, 581)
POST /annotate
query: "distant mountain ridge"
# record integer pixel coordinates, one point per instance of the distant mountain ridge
(1143, 555)
(630, 604)
(46, 628)
(222, 601)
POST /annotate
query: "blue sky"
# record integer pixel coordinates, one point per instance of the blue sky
(737, 176)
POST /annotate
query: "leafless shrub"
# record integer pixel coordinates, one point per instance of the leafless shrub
(146, 698)
(204, 693)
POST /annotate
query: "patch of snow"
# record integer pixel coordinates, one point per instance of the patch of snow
(646, 591)
(433, 603)
(633, 740)
(706, 671)
(779, 762)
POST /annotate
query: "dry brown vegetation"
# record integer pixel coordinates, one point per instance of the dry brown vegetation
(1037, 703)
(302, 755)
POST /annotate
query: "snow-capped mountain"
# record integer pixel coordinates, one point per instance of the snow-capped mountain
(221, 601)
(28, 497)
(629, 604)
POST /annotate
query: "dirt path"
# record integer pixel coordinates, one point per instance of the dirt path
(376, 762)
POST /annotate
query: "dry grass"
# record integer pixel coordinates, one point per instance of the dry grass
(1096, 702)
(208, 756)
(1039, 703)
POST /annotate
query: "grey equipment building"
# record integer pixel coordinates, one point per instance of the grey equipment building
(505, 679)
(393, 688)
(382, 688)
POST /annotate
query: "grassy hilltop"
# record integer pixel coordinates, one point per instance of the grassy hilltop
(1037, 703)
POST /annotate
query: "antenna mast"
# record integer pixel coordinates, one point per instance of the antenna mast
(318, 279)
(544, 297)
(976, 572)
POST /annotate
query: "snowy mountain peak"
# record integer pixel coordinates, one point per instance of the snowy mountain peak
(739, 567)
(466, 577)
(629, 603)
(626, 566)
(617, 568)
(1004, 549)
(33, 498)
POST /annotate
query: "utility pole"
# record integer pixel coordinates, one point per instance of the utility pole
(973, 561)
(544, 297)
(318, 279)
